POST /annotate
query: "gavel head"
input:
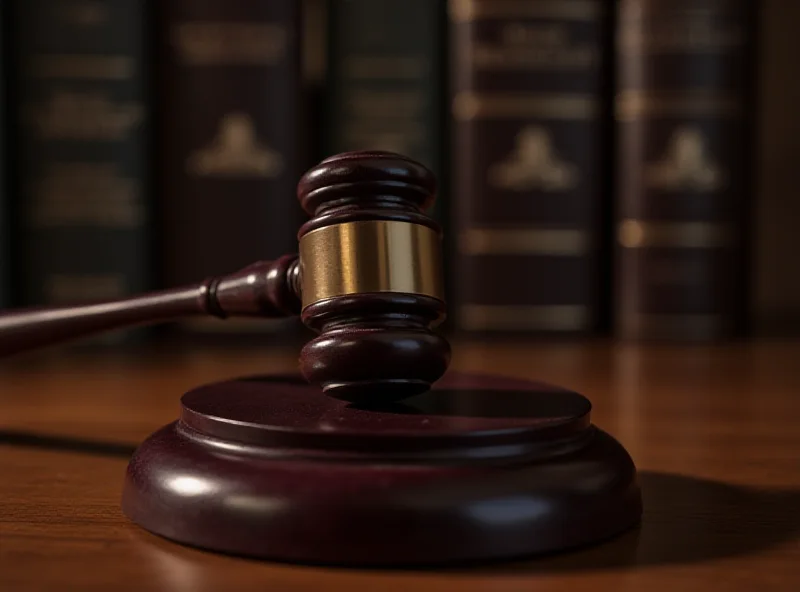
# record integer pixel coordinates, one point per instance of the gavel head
(370, 278)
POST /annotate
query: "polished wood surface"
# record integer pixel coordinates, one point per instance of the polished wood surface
(270, 467)
(375, 335)
(714, 432)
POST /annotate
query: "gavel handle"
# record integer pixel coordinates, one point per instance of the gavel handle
(267, 289)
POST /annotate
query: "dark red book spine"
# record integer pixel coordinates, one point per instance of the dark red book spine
(231, 147)
(531, 112)
(684, 113)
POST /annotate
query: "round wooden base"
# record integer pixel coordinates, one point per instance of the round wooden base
(478, 468)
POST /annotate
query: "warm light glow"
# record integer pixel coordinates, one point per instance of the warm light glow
(190, 486)
(261, 504)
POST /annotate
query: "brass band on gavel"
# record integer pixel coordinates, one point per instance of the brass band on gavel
(370, 256)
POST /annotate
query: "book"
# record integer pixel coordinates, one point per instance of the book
(231, 147)
(314, 67)
(386, 89)
(684, 116)
(386, 80)
(5, 193)
(531, 110)
(775, 289)
(81, 150)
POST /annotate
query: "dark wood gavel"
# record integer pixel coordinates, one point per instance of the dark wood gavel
(367, 278)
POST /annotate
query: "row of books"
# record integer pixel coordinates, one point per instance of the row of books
(592, 155)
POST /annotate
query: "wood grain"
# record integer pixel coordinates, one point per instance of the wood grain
(713, 430)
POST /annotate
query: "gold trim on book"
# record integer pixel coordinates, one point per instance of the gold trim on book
(638, 234)
(85, 66)
(468, 106)
(634, 104)
(574, 10)
(524, 241)
(480, 317)
(370, 256)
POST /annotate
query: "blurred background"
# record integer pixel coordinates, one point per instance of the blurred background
(615, 169)
(611, 173)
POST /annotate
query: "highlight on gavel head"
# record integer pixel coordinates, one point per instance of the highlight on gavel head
(371, 278)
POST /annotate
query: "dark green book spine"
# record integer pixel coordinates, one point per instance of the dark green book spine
(82, 121)
(386, 75)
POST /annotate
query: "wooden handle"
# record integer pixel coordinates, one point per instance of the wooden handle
(266, 289)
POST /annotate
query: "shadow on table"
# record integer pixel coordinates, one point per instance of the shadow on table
(685, 520)
(65, 444)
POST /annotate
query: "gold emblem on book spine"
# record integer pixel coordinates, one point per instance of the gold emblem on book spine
(534, 163)
(236, 152)
(686, 165)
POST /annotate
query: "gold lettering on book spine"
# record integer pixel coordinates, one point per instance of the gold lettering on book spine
(215, 43)
(524, 241)
(534, 46)
(79, 66)
(679, 28)
(84, 116)
(634, 104)
(87, 194)
(379, 118)
(468, 106)
(472, 10)
(639, 234)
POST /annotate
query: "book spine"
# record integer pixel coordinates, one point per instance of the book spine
(776, 293)
(231, 145)
(684, 106)
(315, 53)
(386, 75)
(5, 242)
(81, 152)
(531, 116)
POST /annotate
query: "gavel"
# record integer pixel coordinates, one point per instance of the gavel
(246, 470)
(367, 278)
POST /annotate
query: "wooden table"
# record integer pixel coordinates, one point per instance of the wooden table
(715, 432)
